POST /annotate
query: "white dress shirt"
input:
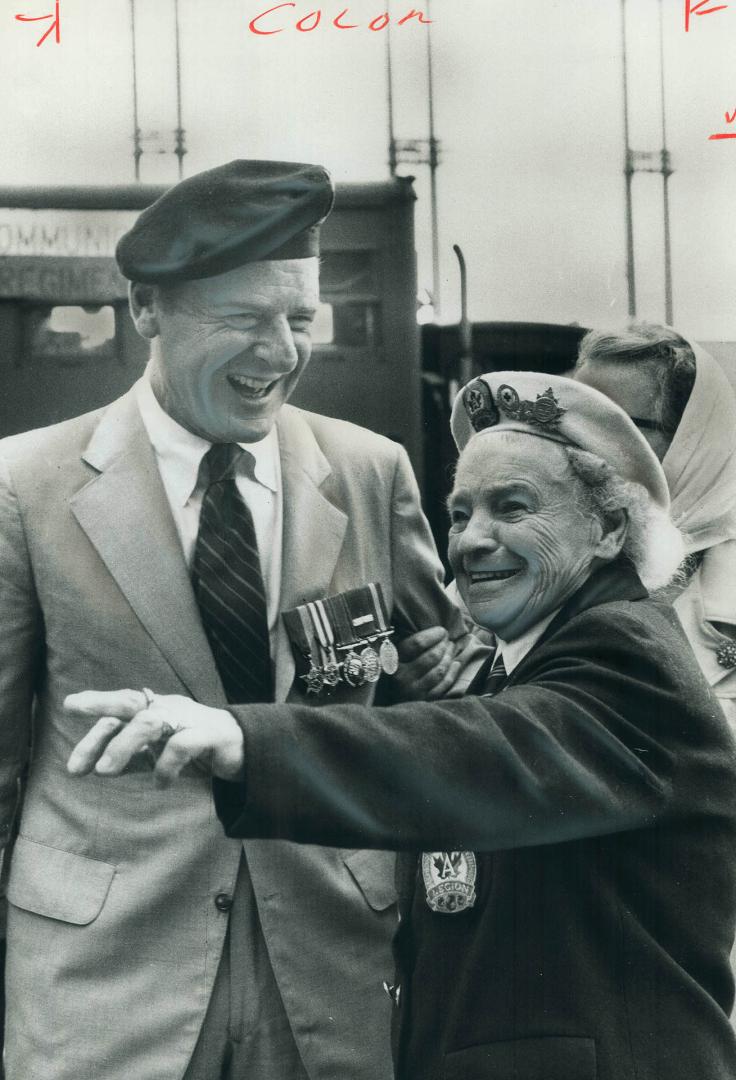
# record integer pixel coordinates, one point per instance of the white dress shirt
(513, 652)
(179, 456)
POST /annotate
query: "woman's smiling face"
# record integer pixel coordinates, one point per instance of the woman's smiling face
(522, 538)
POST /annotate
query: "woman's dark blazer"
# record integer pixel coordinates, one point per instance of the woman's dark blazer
(598, 791)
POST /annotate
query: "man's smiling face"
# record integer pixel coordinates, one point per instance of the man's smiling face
(229, 350)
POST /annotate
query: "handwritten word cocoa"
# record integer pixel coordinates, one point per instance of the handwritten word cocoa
(275, 20)
(54, 28)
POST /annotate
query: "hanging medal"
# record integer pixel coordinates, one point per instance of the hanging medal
(299, 628)
(314, 679)
(387, 653)
(326, 638)
(353, 670)
(371, 664)
(365, 620)
(352, 664)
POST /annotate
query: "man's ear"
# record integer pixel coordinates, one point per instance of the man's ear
(614, 527)
(142, 300)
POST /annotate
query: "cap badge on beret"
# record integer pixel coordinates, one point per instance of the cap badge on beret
(544, 413)
(546, 406)
(478, 401)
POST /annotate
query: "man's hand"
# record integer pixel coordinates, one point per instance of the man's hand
(428, 666)
(177, 729)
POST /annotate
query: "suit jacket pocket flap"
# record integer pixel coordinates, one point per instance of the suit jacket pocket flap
(550, 1058)
(375, 874)
(58, 884)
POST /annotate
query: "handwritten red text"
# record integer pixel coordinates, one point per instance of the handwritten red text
(699, 7)
(730, 118)
(275, 20)
(54, 28)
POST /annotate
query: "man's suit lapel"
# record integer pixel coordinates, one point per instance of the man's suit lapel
(125, 513)
(314, 530)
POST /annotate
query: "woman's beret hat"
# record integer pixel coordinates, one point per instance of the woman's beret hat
(555, 408)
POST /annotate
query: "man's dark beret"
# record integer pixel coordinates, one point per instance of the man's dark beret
(218, 220)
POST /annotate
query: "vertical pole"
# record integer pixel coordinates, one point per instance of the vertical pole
(433, 163)
(178, 146)
(628, 173)
(466, 330)
(666, 173)
(137, 148)
(392, 162)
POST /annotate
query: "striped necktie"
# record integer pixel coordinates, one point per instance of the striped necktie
(496, 677)
(228, 585)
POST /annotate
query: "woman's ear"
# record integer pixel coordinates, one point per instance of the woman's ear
(142, 300)
(614, 527)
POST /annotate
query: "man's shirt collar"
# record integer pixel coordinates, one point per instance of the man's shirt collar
(180, 452)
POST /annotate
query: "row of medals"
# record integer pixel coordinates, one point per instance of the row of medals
(355, 668)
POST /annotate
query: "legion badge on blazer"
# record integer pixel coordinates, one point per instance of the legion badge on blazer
(449, 880)
(343, 639)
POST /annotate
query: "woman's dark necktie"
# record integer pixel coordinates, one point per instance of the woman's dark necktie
(496, 677)
(228, 584)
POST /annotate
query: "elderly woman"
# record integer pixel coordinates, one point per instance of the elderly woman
(683, 404)
(572, 915)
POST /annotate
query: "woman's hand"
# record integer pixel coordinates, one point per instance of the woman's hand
(177, 730)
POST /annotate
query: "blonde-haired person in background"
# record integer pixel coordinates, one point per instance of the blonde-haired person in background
(682, 402)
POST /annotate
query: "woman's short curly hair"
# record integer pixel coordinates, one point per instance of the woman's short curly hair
(653, 545)
(663, 348)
